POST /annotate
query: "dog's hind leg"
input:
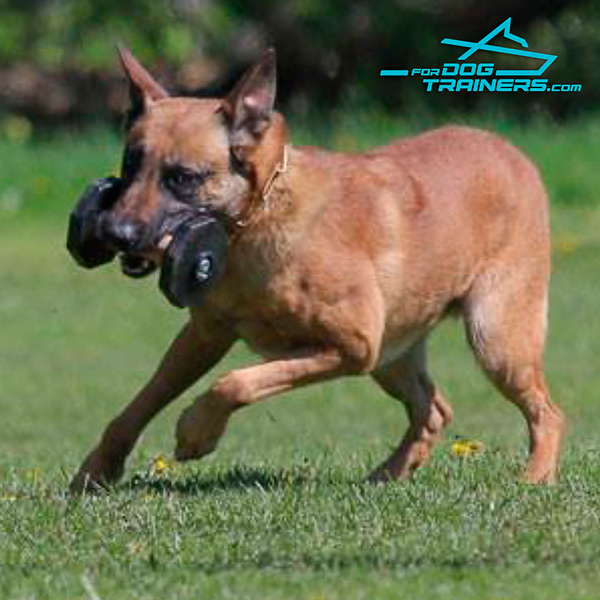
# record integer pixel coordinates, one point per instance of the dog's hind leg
(407, 380)
(505, 316)
(193, 352)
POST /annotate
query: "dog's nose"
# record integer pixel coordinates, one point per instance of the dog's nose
(124, 234)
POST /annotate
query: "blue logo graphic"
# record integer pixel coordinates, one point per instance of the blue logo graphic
(483, 45)
(464, 76)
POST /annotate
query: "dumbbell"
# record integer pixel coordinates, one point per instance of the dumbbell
(195, 252)
(194, 245)
(84, 241)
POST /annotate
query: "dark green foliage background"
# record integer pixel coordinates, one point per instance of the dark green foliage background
(329, 52)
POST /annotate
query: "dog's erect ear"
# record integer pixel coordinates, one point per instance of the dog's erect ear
(143, 88)
(249, 106)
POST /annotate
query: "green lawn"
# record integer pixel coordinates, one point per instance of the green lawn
(280, 511)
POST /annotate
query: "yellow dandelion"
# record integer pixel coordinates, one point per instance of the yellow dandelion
(465, 448)
(160, 465)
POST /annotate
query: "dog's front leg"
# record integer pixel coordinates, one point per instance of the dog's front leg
(202, 424)
(196, 349)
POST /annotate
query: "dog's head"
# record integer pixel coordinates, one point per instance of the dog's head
(185, 153)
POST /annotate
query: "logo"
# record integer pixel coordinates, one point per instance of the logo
(480, 77)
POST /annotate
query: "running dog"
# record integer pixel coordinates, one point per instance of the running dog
(338, 264)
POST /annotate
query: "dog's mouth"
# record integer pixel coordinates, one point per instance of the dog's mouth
(148, 257)
(143, 262)
(136, 266)
(188, 246)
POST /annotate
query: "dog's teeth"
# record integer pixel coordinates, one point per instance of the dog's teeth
(135, 266)
(165, 241)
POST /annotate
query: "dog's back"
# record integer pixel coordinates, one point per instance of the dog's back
(431, 213)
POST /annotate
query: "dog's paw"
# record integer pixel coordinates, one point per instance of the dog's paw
(388, 472)
(95, 474)
(379, 476)
(199, 429)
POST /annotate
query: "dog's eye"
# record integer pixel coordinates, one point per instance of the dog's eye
(181, 178)
(183, 181)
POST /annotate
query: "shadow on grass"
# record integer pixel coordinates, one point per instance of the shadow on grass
(236, 478)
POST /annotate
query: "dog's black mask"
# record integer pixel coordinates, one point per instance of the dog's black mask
(193, 260)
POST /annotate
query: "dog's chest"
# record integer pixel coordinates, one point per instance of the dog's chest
(278, 319)
(270, 338)
(275, 330)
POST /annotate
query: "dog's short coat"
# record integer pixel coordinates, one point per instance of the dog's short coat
(341, 267)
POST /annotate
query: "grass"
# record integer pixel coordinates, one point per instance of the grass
(280, 511)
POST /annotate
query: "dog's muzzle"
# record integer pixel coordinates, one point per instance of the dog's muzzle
(193, 243)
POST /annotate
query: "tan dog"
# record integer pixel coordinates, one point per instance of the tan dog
(340, 264)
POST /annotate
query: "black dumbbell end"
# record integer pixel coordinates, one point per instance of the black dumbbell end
(194, 260)
(83, 239)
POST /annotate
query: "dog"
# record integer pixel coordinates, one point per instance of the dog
(338, 264)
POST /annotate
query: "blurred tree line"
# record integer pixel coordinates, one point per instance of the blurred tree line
(57, 59)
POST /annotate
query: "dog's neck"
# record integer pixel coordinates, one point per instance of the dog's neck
(269, 162)
(269, 153)
(280, 168)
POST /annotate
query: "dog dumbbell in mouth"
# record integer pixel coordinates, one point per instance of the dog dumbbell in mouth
(194, 246)
(194, 258)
